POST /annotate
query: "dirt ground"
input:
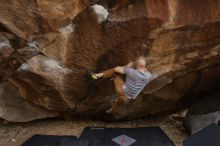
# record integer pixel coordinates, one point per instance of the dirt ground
(14, 134)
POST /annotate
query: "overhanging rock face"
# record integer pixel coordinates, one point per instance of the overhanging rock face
(47, 47)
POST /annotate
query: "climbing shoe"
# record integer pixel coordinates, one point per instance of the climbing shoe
(109, 111)
(92, 75)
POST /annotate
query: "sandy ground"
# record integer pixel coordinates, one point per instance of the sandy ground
(14, 134)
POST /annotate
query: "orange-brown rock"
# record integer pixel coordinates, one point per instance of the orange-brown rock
(47, 47)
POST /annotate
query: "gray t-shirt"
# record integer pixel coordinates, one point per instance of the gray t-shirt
(135, 82)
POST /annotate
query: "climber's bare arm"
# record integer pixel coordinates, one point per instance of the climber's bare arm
(130, 64)
(118, 69)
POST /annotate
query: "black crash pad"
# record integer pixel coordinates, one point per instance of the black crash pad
(96, 136)
(73, 142)
(148, 136)
(51, 140)
(209, 136)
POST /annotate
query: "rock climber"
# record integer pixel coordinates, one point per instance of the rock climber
(137, 77)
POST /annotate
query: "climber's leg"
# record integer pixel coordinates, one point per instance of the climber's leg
(121, 98)
(105, 74)
(119, 101)
(108, 73)
(119, 82)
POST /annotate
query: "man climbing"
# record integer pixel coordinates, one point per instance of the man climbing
(137, 77)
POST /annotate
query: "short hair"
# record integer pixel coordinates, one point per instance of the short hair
(141, 61)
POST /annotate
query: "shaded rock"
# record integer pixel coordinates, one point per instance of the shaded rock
(30, 18)
(46, 51)
(15, 109)
(190, 12)
(203, 113)
(11, 59)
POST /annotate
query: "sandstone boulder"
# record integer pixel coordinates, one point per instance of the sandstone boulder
(47, 47)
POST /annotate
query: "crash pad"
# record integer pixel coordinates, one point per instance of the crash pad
(209, 136)
(53, 140)
(145, 136)
(73, 142)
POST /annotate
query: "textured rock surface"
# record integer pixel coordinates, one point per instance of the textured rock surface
(46, 48)
(15, 108)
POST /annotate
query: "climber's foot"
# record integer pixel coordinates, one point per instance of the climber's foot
(109, 111)
(93, 75)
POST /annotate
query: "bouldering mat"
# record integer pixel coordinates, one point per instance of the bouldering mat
(96, 136)
(209, 136)
(73, 142)
(147, 136)
(46, 140)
